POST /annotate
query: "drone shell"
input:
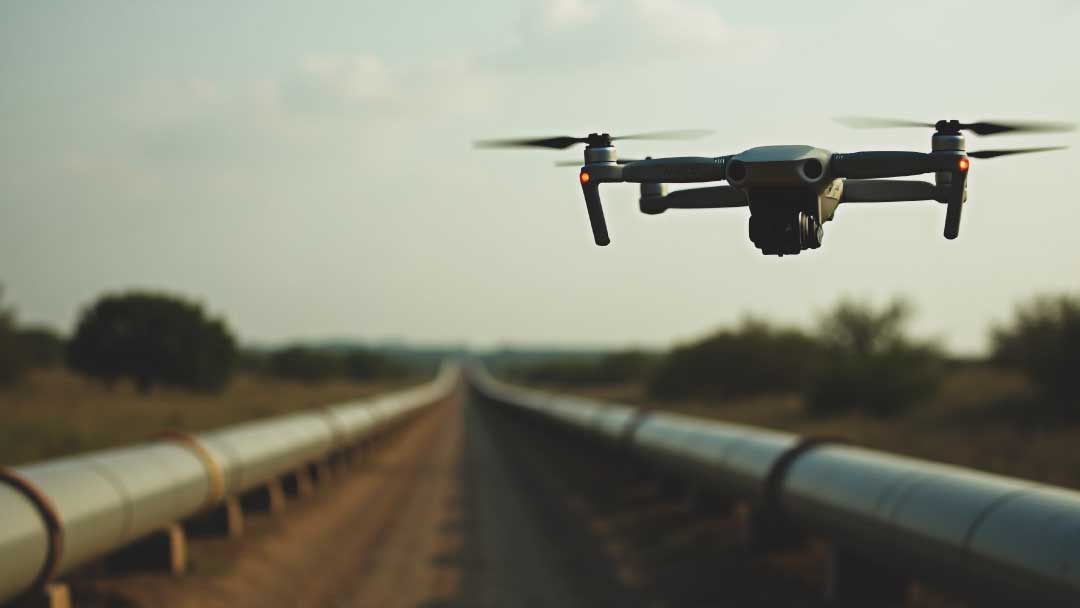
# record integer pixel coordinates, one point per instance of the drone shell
(778, 166)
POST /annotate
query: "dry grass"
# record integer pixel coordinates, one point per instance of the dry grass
(56, 412)
(977, 420)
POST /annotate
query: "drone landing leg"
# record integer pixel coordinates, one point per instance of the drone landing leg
(596, 212)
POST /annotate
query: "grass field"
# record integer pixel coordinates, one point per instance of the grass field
(55, 412)
(980, 419)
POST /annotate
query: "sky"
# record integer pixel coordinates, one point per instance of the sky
(306, 170)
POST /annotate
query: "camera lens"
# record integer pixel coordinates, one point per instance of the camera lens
(812, 168)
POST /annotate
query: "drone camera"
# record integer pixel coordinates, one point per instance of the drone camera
(784, 221)
(785, 232)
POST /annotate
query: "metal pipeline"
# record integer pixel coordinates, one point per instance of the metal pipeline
(1012, 539)
(59, 514)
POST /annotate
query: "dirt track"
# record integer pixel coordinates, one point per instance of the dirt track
(468, 507)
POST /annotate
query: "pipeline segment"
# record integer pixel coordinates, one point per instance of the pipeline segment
(59, 514)
(1005, 538)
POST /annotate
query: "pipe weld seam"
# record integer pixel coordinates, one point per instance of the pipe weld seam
(126, 503)
(1000, 501)
(626, 436)
(216, 491)
(54, 527)
(772, 486)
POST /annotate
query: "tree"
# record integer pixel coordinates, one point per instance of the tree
(1043, 340)
(152, 339)
(868, 362)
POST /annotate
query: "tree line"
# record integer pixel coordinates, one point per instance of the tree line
(156, 339)
(857, 357)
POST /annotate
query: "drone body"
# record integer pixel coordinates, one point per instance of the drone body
(792, 190)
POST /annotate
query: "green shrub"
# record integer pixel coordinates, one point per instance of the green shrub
(12, 363)
(304, 364)
(363, 365)
(755, 358)
(1043, 340)
(868, 364)
(152, 339)
(40, 346)
(615, 368)
(252, 361)
(308, 364)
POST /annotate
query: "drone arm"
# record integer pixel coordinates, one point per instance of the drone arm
(889, 190)
(680, 169)
(868, 165)
(714, 197)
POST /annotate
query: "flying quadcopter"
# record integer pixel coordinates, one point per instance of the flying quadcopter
(790, 190)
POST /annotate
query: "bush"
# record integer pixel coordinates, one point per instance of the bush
(869, 364)
(614, 368)
(252, 361)
(318, 365)
(752, 359)
(12, 363)
(40, 346)
(362, 365)
(304, 364)
(1044, 342)
(152, 339)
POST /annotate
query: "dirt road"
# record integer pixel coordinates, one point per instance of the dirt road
(468, 506)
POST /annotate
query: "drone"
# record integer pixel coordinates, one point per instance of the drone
(791, 190)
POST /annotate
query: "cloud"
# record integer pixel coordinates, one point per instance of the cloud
(343, 84)
(335, 81)
(686, 25)
(560, 14)
(574, 33)
(325, 102)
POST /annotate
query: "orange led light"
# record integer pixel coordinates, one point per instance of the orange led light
(584, 177)
(964, 163)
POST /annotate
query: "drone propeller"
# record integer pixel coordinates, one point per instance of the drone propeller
(577, 163)
(562, 142)
(978, 128)
(997, 153)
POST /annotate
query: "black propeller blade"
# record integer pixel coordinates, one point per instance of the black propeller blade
(559, 143)
(676, 135)
(555, 143)
(869, 122)
(978, 128)
(578, 163)
(997, 153)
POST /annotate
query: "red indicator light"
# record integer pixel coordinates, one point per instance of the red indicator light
(964, 163)
(584, 177)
